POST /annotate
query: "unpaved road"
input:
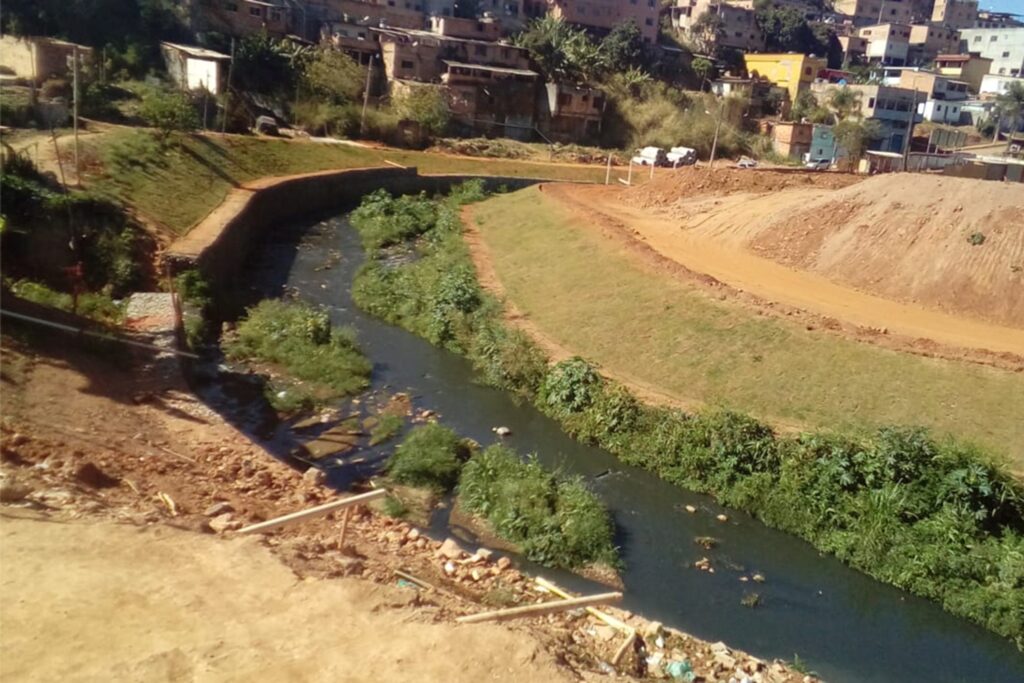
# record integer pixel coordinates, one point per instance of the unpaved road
(773, 281)
(100, 602)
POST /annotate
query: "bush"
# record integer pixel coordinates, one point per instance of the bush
(383, 220)
(387, 426)
(976, 239)
(97, 306)
(556, 522)
(431, 456)
(169, 112)
(299, 340)
(569, 387)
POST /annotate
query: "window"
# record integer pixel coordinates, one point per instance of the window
(649, 21)
(650, 3)
(739, 34)
(407, 64)
(1006, 54)
(256, 11)
(480, 50)
(977, 39)
(993, 39)
(807, 71)
(275, 15)
(871, 103)
(598, 102)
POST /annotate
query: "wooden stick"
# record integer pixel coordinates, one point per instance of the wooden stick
(606, 618)
(318, 511)
(624, 648)
(541, 608)
(344, 526)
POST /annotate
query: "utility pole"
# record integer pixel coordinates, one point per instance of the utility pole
(910, 131)
(227, 90)
(718, 127)
(74, 71)
(206, 100)
(366, 97)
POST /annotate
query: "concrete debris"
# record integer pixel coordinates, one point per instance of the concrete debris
(224, 522)
(218, 509)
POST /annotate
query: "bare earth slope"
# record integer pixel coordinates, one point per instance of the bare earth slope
(902, 237)
(114, 602)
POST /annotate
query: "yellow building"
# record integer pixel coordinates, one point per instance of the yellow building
(792, 71)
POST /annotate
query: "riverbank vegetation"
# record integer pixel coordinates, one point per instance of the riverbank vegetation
(933, 516)
(177, 184)
(554, 520)
(309, 361)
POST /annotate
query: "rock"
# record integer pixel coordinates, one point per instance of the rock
(314, 477)
(725, 661)
(224, 522)
(758, 577)
(17, 439)
(484, 554)
(218, 509)
(504, 563)
(350, 566)
(92, 476)
(450, 549)
(449, 568)
(719, 648)
(13, 491)
(722, 518)
(502, 431)
(413, 535)
(691, 509)
(653, 629)
(605, 633)
(476, 574)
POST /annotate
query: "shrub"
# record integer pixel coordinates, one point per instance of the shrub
(556, 522)
(383, 220)
(169, 112)
(976, 239)
(507, 359)
(570, 386)
(97, 306)
(300, 340)
(430, 456)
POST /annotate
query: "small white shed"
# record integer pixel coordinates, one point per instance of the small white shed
(196, 68)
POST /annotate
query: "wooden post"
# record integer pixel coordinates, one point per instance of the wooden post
(652, 171)
(74, 72)
(608, 171)
(344, 526)
(227, 90)
(606, 618)
(624, 648)
(541, 608)
(318, 511)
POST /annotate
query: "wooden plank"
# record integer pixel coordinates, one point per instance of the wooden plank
(626, 646)
(606, 618)
(318, 511)
(541, 608)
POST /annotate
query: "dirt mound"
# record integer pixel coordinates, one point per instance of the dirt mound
(668, 188)
(952, 244)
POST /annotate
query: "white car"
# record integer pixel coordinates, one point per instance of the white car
(682, 156)
(746, 162)
(818, 165)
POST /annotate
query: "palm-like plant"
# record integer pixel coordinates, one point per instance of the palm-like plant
(844, 103)
(1010, 108)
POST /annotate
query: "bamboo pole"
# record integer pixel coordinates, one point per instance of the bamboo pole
(562, 593)
(541, 608)
(344, 526)
(627, 644)
(318, 511)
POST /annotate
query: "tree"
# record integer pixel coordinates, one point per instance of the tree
(854, 135)
(1009, 108)
(267, 66)
(707, 30)
(427, 106)
(704, 68)
(786, 30)
(333, 76)
(844, 103)
(807, 107)
(169, 112)
(623, 47)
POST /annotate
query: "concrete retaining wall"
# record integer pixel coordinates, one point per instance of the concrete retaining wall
(220, 244)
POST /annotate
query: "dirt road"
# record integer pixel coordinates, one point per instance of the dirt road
(114, 602)
(725, 261)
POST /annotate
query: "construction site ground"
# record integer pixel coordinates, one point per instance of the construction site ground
(121, 495)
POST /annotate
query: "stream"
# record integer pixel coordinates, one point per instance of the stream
(845, 626)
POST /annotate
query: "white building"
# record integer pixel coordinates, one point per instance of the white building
(886, 43)
(997, 85)
(1004, 46)
(940, 111)
(195, 68)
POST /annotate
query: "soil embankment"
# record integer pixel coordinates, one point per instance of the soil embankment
(877, 256)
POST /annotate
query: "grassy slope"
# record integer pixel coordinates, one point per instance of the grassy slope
(665, 333)
(179, 186)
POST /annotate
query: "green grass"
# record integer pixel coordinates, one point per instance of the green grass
(660, 331)
(431, 456)
(313, 363)
(95, 305)
(179, 184)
